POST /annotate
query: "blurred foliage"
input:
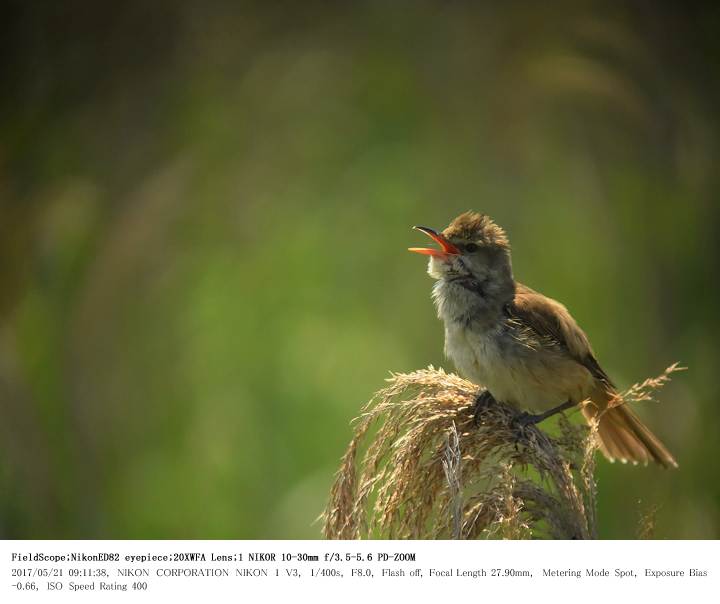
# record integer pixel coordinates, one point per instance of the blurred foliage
(203, 215)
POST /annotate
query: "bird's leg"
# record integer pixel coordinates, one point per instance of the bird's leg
(528, 419)
(483, 400)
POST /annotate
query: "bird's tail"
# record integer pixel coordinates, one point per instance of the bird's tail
(623, 436)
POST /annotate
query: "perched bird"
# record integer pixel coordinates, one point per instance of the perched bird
(525, 348)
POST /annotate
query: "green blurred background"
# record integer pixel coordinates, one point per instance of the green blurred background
(204, 211)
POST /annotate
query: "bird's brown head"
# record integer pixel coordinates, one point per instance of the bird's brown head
(471, 266)
(471, 246)
(477, 229)
(472, 261)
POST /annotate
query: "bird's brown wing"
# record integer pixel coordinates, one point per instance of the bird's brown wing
(622, 435)
(551, 322)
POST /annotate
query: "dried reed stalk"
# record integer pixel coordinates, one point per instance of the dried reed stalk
(420, 467)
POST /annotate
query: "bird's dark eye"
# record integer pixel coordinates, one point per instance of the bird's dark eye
(471, 247)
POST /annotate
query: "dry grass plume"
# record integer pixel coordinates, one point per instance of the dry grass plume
(420, 467)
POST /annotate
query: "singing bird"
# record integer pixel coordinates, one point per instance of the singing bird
(524, 348)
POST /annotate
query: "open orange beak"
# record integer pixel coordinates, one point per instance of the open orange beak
(447, 247)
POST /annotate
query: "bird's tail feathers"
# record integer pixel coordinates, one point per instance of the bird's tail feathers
(623, 436)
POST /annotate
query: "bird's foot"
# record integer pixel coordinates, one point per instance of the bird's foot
(483, 400)
(528, 419)
(524, 419)
(519, 425)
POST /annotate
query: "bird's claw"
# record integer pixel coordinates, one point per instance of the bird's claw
(482, 402)
(520, 423)
(524, 419)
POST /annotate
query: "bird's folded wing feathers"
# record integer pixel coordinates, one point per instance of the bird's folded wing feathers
(550, 320)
